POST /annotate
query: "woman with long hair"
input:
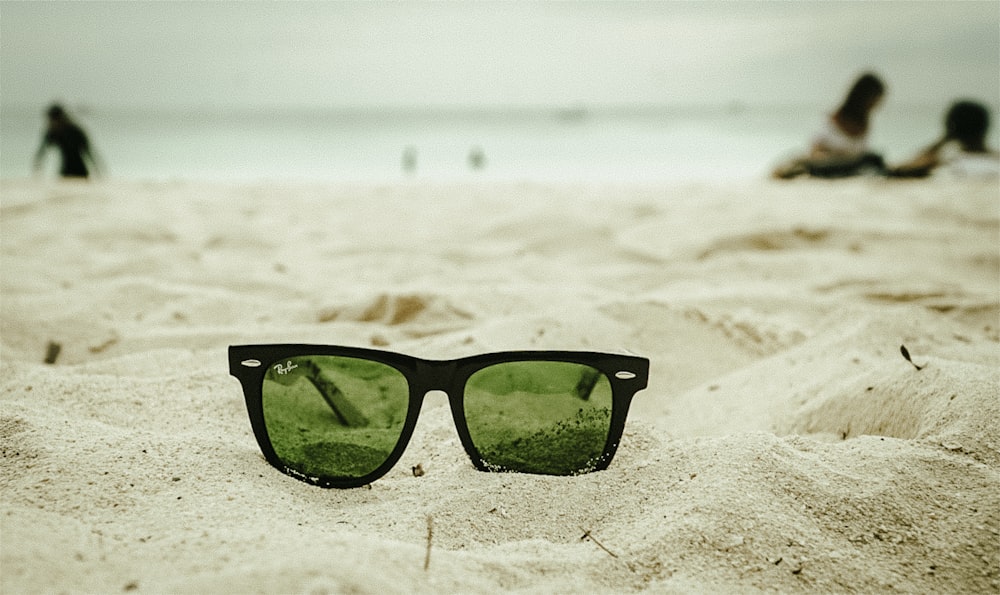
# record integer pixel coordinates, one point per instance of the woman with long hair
(841, 148)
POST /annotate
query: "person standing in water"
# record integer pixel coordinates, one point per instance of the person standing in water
(841, 148)
(74, 147)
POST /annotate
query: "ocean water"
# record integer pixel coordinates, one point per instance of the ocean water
(635, 144)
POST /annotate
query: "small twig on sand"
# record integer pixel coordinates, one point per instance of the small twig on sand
(906, 356)
(430, 536)
(587, 535)
(52, 352)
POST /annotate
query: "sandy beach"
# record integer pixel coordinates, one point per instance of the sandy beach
(784, 443)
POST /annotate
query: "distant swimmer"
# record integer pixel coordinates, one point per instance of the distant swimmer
(477, 158)
(72, 142)
(410, 159)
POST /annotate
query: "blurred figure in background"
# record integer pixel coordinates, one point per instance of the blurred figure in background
(410, 159)
(72, 142)
(963, 145)
(477, 158)
(841, 148)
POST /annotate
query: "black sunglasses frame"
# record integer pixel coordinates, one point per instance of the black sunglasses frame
(627, 375)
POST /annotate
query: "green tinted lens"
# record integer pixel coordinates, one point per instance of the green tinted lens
(331, 416)
(539, 417)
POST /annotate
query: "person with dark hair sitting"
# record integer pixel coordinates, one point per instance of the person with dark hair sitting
(74, 147)
(965, 128)
(841, 149)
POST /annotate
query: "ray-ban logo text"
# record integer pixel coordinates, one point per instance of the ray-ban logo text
(288, 367)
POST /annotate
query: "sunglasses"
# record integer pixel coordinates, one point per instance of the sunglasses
(341, 417)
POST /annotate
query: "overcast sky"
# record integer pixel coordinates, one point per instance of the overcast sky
(491, 54)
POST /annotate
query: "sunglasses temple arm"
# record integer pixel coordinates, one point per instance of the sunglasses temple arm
(586, 384)
(346, 413)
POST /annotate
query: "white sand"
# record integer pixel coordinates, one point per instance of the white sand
(783, 444)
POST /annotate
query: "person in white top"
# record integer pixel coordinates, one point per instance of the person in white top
(962, 148)
(841, 148)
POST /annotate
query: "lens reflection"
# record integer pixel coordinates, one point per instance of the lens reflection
(539, 417)
(333, 416)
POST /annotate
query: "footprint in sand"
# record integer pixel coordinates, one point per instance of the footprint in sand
(393, 310)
